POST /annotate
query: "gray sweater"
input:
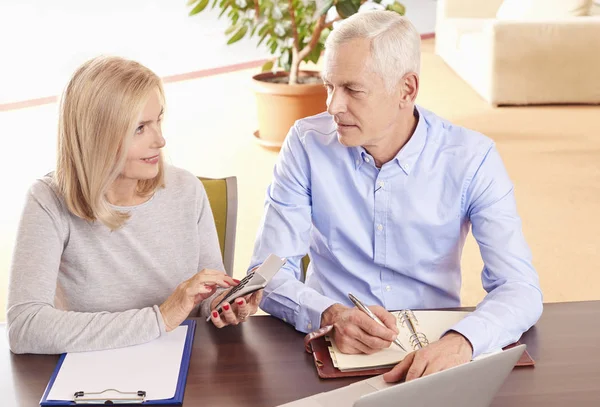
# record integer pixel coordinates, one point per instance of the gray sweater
(76, 286)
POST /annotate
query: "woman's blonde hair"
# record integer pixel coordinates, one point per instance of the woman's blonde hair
(98, 117)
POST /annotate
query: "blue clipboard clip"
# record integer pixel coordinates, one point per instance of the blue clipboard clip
(123, 397)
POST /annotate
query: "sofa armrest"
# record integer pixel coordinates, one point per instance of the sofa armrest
(560, 54)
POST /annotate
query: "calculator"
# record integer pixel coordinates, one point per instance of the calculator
(254, 281)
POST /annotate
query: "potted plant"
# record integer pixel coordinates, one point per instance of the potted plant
(294, 31)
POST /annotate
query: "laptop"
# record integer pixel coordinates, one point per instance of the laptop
(473, 384)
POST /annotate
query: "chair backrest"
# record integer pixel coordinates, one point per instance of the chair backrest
(222, 195)
(305, 263)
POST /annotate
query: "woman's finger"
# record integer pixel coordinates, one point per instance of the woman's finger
(213, 280)
(255, 298)
(192, 290)
(215, 276)
(228, 315)
(242, 310)
(216, 319)
(207, 292)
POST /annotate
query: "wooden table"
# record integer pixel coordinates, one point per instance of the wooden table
(262, 363)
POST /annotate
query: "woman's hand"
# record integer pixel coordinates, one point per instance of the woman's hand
(190, 293)
(236, 312)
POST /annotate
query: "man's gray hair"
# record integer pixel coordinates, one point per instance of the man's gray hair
(395, 42)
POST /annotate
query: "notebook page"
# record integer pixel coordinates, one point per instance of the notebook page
(152, 367)
(432, 323)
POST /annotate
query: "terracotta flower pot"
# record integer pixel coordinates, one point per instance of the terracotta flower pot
(281, 104)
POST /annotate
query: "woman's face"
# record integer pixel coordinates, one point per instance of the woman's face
(143, 156)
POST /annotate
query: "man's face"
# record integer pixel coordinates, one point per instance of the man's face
(365, 111)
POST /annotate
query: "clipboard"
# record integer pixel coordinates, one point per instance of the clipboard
(126, 396)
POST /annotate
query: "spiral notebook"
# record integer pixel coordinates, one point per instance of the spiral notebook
(416, 329)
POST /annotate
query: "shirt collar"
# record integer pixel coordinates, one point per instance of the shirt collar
(409, 154)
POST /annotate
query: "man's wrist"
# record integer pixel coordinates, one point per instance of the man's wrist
(465, 344)
(329, 316)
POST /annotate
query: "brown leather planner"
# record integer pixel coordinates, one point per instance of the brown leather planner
(316, 344)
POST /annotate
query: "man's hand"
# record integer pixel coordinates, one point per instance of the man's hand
(451, 350)
(355, 332)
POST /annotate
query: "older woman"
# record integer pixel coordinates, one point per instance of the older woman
(110, 246)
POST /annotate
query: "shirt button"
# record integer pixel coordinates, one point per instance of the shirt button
(381, 184)
(284, 319)
(388, 288)
(380, 227)
(367, 159)
(309, 326)
(406, 167)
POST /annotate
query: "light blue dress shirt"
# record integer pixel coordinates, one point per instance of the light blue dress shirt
(394, 236)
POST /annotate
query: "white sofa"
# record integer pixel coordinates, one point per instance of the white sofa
(520, 62)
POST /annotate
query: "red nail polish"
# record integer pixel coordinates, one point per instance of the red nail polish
(226, 307)
(236, 280)
(215, 314)
(240, 302)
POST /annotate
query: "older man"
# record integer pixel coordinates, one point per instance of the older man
(381, 193)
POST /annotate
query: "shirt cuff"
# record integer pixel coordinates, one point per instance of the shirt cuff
(476, 331)
(309, 316)
(161, 322)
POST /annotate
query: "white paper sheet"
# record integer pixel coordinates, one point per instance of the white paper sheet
(432, 323)
(152, 367)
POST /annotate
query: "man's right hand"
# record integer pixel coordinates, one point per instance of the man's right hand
(355, 332)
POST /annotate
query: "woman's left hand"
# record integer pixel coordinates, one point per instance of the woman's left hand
(238, 311)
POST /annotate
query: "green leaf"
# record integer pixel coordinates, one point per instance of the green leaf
(263, 29)
(397, 7)
(326, 6)
(224, 5)
(231, 29)
(314, 55)
(324, 35)
(190, 2)
(199, 7)
(238, 35)
(346, 8)
(267, 66)
(262, 38)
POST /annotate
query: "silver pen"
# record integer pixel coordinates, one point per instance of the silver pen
(367, 311)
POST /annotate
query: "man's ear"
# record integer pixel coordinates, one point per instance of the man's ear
(409, 88)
